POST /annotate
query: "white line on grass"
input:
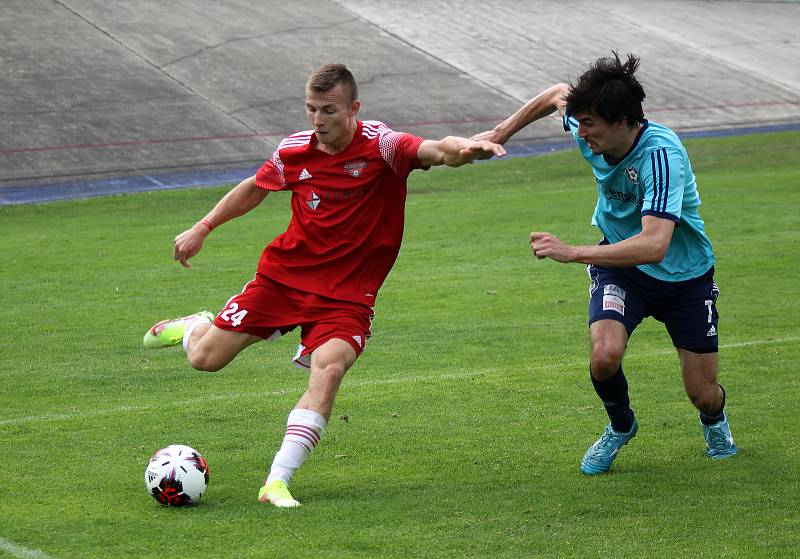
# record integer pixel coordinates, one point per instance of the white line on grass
(761, 342)
(354, 384)
(23, 552)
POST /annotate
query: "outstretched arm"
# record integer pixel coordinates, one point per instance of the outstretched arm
(547, 102)
(454, 151)
(238, 201)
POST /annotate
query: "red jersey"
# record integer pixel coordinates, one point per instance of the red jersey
(348, 211)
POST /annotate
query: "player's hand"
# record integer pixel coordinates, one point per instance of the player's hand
(499, 135)
(546, 245)
(189, 243)
(485, 149)
(475, 149)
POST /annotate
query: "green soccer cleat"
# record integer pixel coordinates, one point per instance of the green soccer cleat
(170, 332)
(277, 493)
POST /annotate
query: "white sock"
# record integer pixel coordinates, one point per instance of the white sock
(303, 431)
(187, 334)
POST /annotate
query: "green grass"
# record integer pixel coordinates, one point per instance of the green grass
(457, 434)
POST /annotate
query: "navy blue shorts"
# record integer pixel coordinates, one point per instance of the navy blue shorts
(687, 308)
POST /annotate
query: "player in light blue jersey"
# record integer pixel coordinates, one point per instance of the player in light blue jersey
(639, 184)
(654, 259)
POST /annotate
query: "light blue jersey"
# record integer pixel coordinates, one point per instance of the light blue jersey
(654, 178)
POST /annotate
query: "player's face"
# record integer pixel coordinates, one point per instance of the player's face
(610, 138)
(332, 116)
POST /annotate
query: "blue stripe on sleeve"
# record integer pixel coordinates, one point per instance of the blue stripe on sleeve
(655, 187)
(666, 181)
(660, 180)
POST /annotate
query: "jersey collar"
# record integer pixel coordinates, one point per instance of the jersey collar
(635, 143)
(312, 145)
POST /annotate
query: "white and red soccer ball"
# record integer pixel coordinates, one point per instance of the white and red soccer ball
(176, 476)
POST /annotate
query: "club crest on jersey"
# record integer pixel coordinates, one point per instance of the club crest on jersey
(355, 168)
(632, 174)
(312, 200)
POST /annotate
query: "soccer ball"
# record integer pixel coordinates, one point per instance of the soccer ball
(176, 476)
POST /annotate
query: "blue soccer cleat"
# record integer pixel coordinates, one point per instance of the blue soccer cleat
(718, 439)
(600, 456)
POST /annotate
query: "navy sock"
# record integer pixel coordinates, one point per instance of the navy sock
(711, 419)
(614, 395)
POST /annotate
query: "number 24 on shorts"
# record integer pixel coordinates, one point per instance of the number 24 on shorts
(233, 315)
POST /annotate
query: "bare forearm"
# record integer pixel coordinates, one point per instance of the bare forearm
(544, 104)
(240, 200)
(454, 151)
(647, 247)
(548, 101)
(630, 252)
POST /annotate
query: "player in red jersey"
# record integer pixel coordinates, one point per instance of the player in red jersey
(348, 184)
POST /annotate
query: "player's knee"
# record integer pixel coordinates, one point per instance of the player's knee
(605, 360)
(328, 379)
(334, 373)
(205, 361)
(704, 398)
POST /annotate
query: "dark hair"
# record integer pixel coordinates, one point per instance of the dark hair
(610, 90)
(327, 76)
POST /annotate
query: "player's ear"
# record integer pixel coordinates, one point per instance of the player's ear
(354, 107)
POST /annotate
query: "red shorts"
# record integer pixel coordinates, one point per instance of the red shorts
(268, 309)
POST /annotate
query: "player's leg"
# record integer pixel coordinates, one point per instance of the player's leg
(608, 339)
(263, 310)
(329, 363)
(209, 348)
(708, 396)
(307, 421)
(700, 381)
(614, 312)
(692, 321)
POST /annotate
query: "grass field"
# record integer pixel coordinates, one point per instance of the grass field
(460, 430)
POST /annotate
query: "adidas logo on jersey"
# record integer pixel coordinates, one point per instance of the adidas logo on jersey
(305, 174)
(712, 331)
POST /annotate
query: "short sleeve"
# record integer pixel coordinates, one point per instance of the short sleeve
(270, 176)
(570, 125)
(662, 175)
(399, 150)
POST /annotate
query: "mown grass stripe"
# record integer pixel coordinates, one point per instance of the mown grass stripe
(354, 384)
